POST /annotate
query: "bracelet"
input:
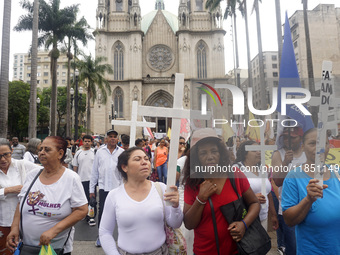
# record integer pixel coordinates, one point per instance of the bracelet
(245, 224)
(199, 201)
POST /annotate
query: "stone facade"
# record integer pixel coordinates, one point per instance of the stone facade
(146, 53)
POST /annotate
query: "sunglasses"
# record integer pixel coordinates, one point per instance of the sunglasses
(181, 143)
(6, 155)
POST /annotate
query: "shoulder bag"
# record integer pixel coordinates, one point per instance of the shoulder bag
(174, 238)
(256, 240)
(24, 249)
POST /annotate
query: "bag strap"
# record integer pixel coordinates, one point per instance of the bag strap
(21, 233)
(215, 225)
(160, 193)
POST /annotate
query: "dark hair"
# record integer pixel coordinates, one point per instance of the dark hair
(138, 141)
(61, 144)
(88, 137)
(125, 139)
(5, 142)
(68, 139)
(306, 133)
(241, 152)
(124, 158)
(32, 145)
(181, 137)
(192, 156)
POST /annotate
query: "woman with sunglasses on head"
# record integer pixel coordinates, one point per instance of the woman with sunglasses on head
(12, 176)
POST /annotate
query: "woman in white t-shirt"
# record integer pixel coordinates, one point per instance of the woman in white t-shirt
(12, 176)
(249, 163)
(55, 202)
(138, 209)
(32, 150)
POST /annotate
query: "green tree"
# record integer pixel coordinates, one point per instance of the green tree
(32, 124)
(5, 49)
(92, 72)
(75, 32)
(53, 23)
(18, 97)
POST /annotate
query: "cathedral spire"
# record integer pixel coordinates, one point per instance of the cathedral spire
(159, 5)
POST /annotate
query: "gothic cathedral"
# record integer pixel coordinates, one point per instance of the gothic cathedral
(146, 53)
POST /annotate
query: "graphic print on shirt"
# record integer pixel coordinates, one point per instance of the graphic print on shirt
(36, 199)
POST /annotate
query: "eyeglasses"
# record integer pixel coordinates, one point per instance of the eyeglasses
(6, 155)
(181, 143)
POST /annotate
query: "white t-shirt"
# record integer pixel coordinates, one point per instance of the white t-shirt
(46, 205)
(16, 175)
(140, 224)
(256, 185)
(83, 159)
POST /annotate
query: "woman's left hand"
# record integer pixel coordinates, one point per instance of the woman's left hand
(172, 196)
(47, 236)
(237, 230)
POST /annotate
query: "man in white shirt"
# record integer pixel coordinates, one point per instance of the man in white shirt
(82, 164)
(105, 171)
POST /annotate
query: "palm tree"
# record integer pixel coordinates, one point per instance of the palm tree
(278, 28)
(91, 75)
(5, 49)
(229, 11)
(260, 55)
(78, 31)
(32, 123)
(53, 23)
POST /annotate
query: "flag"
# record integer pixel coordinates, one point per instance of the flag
(227, 131)
(185, 129)
(169, 133)
(253, 131)
(147, 131)
(289, 77)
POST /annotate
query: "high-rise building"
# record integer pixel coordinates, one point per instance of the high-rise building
(324, 37)
(18, 67)
(22, 69)
(271, 76)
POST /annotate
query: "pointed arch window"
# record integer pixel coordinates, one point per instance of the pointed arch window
(201, 60)
(119, 5)
(199, 5)
(118, 102)
(118, 61)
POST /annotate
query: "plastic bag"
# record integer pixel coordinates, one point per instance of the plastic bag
(91, 211)
(47, 250)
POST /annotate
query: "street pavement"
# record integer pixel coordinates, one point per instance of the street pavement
(85, 238)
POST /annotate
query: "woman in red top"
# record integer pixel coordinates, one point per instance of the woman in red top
(208, 151)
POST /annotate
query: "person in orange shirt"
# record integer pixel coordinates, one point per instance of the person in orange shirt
(160, 161)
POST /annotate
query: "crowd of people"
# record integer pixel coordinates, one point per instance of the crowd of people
(52, 182)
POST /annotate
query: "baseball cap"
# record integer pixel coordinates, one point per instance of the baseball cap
(111, 131)
(294, 131)
(204, 134)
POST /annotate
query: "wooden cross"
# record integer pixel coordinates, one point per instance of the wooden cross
(133, 123)
(326, 92)
(177, 113)
(263, 148)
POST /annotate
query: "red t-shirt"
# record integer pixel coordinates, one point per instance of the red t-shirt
(204, 242)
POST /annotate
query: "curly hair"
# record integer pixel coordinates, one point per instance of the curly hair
(193, 161)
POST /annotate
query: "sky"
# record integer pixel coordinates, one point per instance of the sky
(20, 42)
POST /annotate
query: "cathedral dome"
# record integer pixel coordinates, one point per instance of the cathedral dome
(170, 18)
